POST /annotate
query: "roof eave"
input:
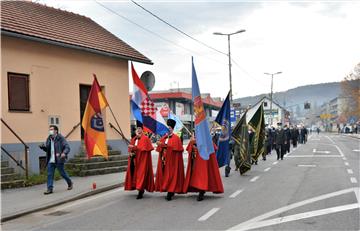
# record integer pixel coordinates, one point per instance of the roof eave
(67, 45)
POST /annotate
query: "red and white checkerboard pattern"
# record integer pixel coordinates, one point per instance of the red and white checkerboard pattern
(148, 107)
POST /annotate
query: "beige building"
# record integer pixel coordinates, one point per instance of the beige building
(48, 57)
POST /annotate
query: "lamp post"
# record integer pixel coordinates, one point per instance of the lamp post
(229, 54)
(271, 94)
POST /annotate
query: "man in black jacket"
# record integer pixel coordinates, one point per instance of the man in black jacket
(280, 141)
(57, 149)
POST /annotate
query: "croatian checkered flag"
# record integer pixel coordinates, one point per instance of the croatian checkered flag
(144, 110)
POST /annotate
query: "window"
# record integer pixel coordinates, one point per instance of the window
(18, 92)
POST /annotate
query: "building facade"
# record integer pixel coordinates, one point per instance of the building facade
(47, 72)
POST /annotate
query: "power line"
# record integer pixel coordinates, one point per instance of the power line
(180, 31)
(155, 34)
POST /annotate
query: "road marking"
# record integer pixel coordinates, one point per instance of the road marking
(314, 150)
(275, 162)
(254, 178)
(267, 169)
(208, 214)
(350, 171)
(310, 156)
(353, 180)
(300, 216)
(235, 193)
(344, 158)
(346, 163)
(356, 150)
(341, 153)
(307, 165)
(245, 225)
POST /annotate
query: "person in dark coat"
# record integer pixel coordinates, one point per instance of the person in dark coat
(57, 149)
(288, 138)
(280, 140)
(294, 136)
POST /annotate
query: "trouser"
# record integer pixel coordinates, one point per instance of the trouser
(280, 151)
(51, 171)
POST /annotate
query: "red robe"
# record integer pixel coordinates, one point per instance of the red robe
(142, 177)
(170, 176)
(202, 175)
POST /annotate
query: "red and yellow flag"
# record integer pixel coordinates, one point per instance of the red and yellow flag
(93, 124)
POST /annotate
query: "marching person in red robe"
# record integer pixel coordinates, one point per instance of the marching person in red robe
(139, 173)
(202, 175)
(170, 170)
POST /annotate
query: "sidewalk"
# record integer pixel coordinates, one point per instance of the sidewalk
(20, 201)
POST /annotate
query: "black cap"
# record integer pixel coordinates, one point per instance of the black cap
(171, 123)
(139, 124)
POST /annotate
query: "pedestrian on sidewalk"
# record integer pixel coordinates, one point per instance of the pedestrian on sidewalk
(202, 175)
(170, 170)
(139, 173)
(57, 149)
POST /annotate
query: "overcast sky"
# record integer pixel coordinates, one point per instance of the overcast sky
(310, 42)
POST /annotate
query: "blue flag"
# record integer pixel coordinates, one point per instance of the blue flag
(223, 119)
(179, 125)
(203, 138)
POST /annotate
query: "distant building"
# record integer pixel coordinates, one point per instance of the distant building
(179, 101)
(48, 60)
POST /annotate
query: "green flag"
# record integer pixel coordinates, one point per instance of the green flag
(241, 149)
(257, 123)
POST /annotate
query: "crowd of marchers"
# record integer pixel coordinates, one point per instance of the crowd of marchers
(201, 175)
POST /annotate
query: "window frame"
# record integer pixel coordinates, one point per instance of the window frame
(27, 94)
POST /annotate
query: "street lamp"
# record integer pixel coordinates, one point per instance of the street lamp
(228, 35)
(271, 94)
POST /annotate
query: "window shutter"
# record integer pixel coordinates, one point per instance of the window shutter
(18, 92)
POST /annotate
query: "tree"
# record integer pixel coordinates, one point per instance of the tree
(350, 87)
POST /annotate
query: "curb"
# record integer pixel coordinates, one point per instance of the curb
(77, 197)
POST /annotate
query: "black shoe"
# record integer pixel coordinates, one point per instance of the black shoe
(255, 162)
(200, 196)
(169, 196)
(49, 191)
(70, 186)
(140, 195)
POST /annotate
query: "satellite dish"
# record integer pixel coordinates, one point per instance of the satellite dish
(148, 80)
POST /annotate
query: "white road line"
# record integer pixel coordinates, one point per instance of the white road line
(267, 169)
(300, 216)
(356, 150)
(344, 158)
(275, 162)
(311, 156)
(350, 171)
(208, 214)
(235, 193)
(244, 225)
(346, 163)
(314, 150)
(307, 165)
(341, 153)
(254, 178)
(353, 180)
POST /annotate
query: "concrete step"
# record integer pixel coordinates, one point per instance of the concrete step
(9, 177)
(4, 164)
(97, 165)
(7, 170)
(97, 159)
(110, 153)
(102, 171)
(12, 184)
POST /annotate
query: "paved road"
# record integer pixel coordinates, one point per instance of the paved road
(314, 188)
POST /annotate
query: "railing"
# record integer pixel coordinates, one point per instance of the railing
(17, 162)
(26, 147)
(119, 132)
(72, 130)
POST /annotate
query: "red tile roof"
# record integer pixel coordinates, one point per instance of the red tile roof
(184, 95)
(54, 25)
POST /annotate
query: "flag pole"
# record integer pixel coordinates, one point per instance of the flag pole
(117, 123)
